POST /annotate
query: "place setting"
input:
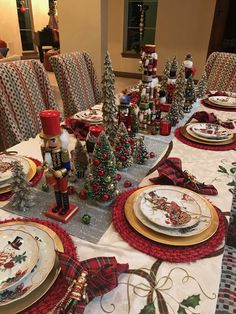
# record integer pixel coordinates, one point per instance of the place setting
(220, 101)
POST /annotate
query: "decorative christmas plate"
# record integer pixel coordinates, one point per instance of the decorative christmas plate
(213, 140)
(46, 261)
(224, 101)
(210, 130)
(90, 115)
(203, 224)
(163, 238)
(19, 252)
(169, 207)
(6, 166)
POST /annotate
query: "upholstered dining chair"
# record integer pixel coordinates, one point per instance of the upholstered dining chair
(77, 81)
(221, 71)
(24, 92)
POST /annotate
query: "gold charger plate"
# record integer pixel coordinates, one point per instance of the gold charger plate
(165, 239)
(30, 175)
(208, 102)
(35, 295)
(184, 133)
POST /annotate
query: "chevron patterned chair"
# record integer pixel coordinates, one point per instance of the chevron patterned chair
(24, 91)
(221, 71)
(77, 81)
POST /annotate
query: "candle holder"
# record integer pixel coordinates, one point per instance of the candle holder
(165, 127)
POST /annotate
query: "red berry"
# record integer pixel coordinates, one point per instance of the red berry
(96, 162)
(118, 177)
(118, 147)
(104, 155)
(9, 264)
(122, 158)
(83, 195)
(95, 187)
(101, 172)
(70, 190)
(105, 197)
(127, 183)
(152, 155)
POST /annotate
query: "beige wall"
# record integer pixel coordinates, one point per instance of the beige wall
(183, 26)
(40, 14)
(82, 26)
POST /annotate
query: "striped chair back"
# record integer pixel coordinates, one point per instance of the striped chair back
(24, 92)
(77, 81)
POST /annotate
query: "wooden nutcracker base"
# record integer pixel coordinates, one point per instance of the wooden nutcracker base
(62, 218)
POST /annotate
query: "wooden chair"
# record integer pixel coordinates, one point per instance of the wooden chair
(221, 71)
(77, 81)
(24, 92)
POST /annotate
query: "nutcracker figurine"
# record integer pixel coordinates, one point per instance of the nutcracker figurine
(124, 112)
(188, 64)
(56, 164)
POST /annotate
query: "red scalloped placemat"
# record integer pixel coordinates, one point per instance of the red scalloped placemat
(59, 288)
(165, 252)
(186, 141)
(217, 108)
(33, 181)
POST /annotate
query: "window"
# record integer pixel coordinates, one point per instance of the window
(25, 24)
(140, 25)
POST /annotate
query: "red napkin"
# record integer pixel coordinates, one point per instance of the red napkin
(77, 127)
(171, 173)
(209, 117)
(102, 277)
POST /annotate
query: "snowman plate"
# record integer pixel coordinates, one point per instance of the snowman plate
(19, 253)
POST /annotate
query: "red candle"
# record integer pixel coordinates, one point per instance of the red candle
(95, 130)
(165, 127)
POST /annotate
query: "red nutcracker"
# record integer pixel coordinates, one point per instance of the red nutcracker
(188, 64)
(171, 81)
(56, 163)
(124, 112)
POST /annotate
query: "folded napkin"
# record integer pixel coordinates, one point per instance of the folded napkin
(93, 277)
(171, 173)
(77, 127)
(210, 117)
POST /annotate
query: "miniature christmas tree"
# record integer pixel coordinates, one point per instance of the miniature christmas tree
(100, 181)
(123, 152)
(81, 159)
(141, 152)
(202, 86)
(109, 107)
(21, 198)
(165, 76)
(190, 96)
(179, 94)
(134, 121)
(173, 114)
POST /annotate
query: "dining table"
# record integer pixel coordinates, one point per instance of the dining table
(161, 278)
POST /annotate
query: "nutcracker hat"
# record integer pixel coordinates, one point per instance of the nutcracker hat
(16, 243)
(50, 120)
(125, 100)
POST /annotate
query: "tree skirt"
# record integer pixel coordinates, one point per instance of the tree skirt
(33, 181)
(165, 252)
(59, 288)
(186, 141)
(208, 104)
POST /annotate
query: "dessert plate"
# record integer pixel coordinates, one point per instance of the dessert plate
(223, 101)
(210, 130)
(19, 252)
(212, 140)
(6, 166)
(169, 207)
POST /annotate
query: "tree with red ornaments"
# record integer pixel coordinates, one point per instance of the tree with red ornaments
(123, 153)
(101, 183)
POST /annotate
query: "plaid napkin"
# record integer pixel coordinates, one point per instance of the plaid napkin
(101, 277)
(77, 127)
(209, 117)
(171, 173)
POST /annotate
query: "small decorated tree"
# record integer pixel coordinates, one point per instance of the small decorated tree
(173, 114)
(165, 76)
(22, 198)
(122, 147)
(141, 152)
(109, 108)
(134, 121)
(190, 96)
(179, 94)
(202, 86)
(100, 181)
(81, 159)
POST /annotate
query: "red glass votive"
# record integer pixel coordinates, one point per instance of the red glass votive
(165, 127)
(95, 130)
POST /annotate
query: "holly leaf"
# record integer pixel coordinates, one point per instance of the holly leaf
(181, 310)
(191, 301)
(232, 183)
(148, 309)
(233, 170)
(222, 169)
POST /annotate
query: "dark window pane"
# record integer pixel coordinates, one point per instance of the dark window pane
(24, 19)
(27, 40)
(133, 40)
(134, 13)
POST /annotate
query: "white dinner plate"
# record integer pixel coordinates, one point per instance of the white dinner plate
(19, 252)
(45, 263)
(215, 140)
(223, 101)
(90, 115)
(161, 205)
(5, 162)
(203, 224)
(210, 130)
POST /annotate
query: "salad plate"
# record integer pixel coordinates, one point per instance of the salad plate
(6, 166)
(210, 130)
(90, 115)
(19, 252)
(224, 101)
(169, 207)
(212, 140)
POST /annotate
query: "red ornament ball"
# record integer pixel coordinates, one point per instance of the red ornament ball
(127, 183)
(96, 162)
(152, 155)
(118, 177)
(101, 172)
(104, 155)
(122, 158)
(70, 190)
(118, 147)
(83, 195)
(95, 187)
(105, 197)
